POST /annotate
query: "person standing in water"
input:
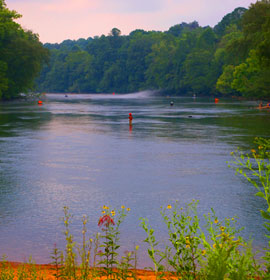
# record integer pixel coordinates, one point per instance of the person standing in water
(130, 118)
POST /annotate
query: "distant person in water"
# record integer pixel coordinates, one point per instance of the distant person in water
(130, 118)
(171, 103)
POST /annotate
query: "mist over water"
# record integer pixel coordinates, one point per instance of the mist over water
(79, 151)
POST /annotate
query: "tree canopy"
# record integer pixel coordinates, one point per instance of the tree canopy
(232, 58)
(21, 55)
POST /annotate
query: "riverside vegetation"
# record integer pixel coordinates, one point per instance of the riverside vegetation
(195, 249)
(230, 59)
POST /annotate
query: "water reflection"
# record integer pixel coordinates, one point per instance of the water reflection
(81, 152)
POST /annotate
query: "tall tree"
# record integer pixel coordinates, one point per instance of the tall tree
(21, 55)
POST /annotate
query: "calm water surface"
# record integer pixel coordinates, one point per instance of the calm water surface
(79, 151)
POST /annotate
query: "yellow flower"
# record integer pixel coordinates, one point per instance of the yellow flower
(123, 207)
(169, 206)
(253, 151)
(214, 245)
(203, 252)
(216, 221)
(113, 213)
(222, 228)
(232, 153)
(128, 209)
(105, 207)
(103, 212)
(260, 147)
(187, 246)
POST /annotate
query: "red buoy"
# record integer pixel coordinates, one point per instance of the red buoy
(130, 118)
(216, 100)
(40, 102)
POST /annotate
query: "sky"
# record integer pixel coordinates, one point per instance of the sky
(58, 20)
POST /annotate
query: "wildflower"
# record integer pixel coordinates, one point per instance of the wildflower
(214, 245)
(203, 252)
(260, 147)
(113, 213)
(137, 248)
(105, 207)
(187, 246)
(222, 228)
(253, 151)
(123, 207)
(106, 220)
(103, 212)
(216, 221)
(232, 153)
(91, 240)
(169, 206)
(128, 209)
(232, 219)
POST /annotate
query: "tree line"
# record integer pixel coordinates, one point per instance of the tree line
(232, 58)
(21, 55)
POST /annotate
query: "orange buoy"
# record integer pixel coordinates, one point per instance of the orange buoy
(40, 102)
(216, 100)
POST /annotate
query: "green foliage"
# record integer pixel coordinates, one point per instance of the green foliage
(192, 253)
(255, 167)
(224, 82)
(186, 59)
(226, 256)
(21, 55)
(229, 19)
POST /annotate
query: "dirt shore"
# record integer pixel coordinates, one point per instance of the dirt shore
(46, 271)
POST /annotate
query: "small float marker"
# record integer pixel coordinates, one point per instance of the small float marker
(216, 100)
(130, 118)
(40, 102)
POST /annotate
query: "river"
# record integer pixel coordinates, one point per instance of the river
(79, 151)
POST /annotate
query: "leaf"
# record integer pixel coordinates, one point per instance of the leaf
(265, 215)
(260, 194)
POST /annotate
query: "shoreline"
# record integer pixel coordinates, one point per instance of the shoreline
(46, 271)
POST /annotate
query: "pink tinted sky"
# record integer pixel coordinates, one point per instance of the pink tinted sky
(57, 20)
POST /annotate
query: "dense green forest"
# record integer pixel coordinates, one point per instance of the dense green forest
(21, 55)
(233, 58)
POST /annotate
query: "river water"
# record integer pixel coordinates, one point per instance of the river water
(79, 151)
